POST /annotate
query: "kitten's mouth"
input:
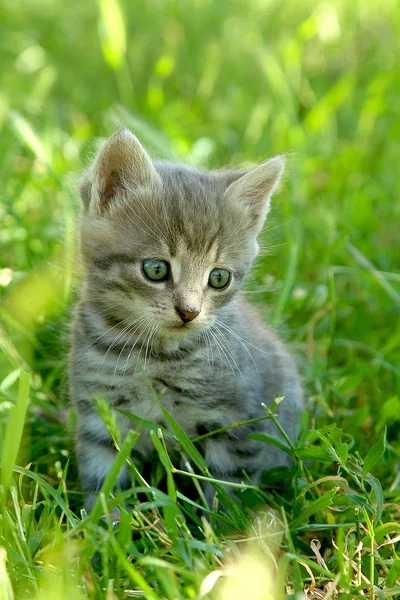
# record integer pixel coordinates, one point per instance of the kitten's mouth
(182, 327)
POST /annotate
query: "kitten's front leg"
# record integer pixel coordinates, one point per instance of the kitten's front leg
(96, 455)
(229, 454)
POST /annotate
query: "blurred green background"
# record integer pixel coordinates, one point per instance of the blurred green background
(213, 83)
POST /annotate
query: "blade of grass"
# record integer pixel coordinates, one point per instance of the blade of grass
(169, 511)
(134, 575)
(288, 282)
(48, 492)
(186, 443)
(150, 425)
(112, 476)
(377, 275)
(14, 432)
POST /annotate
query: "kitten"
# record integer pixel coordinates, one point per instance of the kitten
(166, 250)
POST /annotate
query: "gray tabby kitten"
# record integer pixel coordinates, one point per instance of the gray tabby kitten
(166, 249)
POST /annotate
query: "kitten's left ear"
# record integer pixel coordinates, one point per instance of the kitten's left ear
(254, 189)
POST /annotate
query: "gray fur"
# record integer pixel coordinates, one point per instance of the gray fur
(213, 371)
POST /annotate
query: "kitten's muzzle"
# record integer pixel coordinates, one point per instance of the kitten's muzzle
(186, 314)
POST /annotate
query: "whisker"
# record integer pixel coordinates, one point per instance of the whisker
(238, 337)
(126, 363)
(146, 330)
(147, 345)
(221, 349)
(212, 337)
(100, 336)
(153, 338)
(128, 329)
(123, 348)
(228, 347)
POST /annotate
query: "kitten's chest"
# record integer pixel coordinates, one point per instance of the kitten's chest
(190, 396)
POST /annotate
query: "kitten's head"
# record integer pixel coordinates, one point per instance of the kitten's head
(167, 245)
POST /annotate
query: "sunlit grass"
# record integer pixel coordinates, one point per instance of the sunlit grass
(209, 83)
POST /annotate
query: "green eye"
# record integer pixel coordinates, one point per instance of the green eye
(219, 278)
(156, 270)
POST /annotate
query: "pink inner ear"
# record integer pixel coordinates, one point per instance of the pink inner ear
(112, 186)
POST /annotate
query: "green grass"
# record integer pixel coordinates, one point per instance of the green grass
(210, 83)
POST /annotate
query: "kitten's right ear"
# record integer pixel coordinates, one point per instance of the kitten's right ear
(122, 163)
(252, 191)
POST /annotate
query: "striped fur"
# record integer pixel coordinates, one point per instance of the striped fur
(210, 372)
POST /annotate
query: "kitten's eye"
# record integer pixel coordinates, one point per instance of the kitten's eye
(219, 278)
(156, 270)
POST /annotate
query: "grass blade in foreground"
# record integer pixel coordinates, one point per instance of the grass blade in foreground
(111, 479)
(14, 432)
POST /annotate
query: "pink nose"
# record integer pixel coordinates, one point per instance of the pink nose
(186, 314)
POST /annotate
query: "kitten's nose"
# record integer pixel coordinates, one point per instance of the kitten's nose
(186, 314)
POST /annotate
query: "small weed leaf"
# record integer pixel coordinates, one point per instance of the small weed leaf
(314, 507)
(276, 403)
(331, 448)
(35, 540)
(393, 573)
(374, 455)
(385, 529)
(376, 486)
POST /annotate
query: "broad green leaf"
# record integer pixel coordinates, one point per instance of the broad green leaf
(331, 448)
(314, 453)
(374, 455)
